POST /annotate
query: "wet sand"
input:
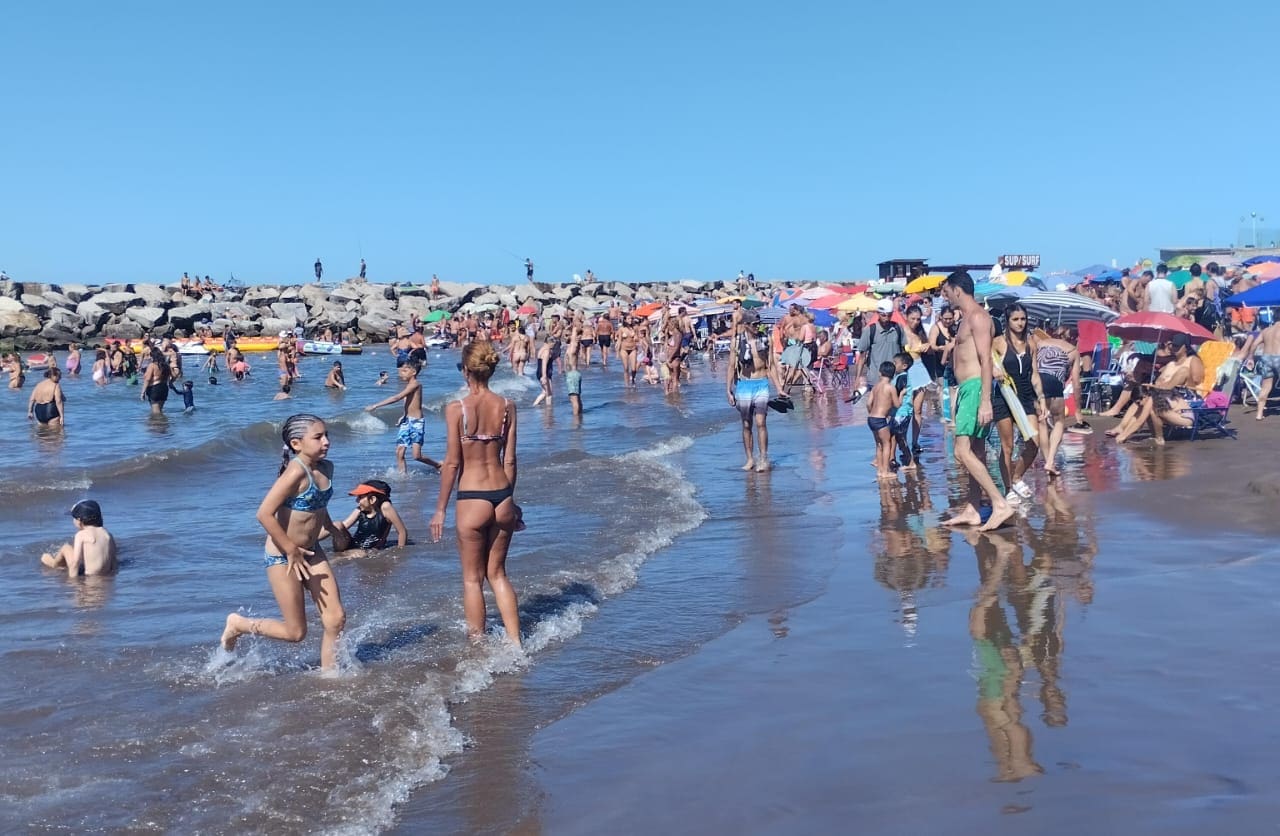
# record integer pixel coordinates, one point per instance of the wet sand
(1102, 665)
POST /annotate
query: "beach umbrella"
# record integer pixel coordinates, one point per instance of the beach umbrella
(1266, 270)
(771, 314)
(823, 319)
(1153, 327)
(1008, 295)
(1260, 259)
(814, 293)
(1107, 277)
(1180, 278)
(1092, 270)
(436, 316)
(858, 303)
(1265, 295)
(752, 302)
(527, 309)
(884, 288)
(1059, 308)
(1052, 280)
(984, 289)
(828, 302)
(786, 296)
(1181, 262)
(648, 308)
(920, 284)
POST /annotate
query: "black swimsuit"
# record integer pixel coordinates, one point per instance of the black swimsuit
(45, 412)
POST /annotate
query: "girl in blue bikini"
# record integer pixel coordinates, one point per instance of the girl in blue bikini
(294, 513)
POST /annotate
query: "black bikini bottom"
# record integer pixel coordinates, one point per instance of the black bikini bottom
(494, 497)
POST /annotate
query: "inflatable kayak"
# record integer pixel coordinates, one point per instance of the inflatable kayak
(320, 347)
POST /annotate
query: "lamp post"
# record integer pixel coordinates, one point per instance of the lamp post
(1254, 217)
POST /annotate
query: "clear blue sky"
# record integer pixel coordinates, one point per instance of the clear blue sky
(646, 141)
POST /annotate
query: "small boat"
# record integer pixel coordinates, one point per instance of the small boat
(319, 347)
(436, 342)
(192, 348)
(245, 344)
(39, 360)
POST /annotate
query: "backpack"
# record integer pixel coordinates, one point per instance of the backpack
(893, 326)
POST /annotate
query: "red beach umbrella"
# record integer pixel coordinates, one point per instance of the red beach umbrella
(1152, 327)
(527, 309)
(826, 303)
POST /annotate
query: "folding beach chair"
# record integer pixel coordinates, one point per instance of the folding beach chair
(1209, 417)
(1099, 385)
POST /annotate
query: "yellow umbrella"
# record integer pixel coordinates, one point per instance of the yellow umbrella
(1014, 278)
(923, 283)
(859, 302)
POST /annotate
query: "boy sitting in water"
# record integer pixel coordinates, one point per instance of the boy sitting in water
(369, 525)
(93, 547)
(884, 399)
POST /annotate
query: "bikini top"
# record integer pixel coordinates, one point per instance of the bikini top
(466, 436)
(1054, 361)
(312, 499)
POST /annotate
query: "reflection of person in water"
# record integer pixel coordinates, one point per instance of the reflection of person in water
(998, 663)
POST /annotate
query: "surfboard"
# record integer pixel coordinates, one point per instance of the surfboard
(1015, 409)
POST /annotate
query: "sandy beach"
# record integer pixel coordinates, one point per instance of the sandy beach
(1125, 694)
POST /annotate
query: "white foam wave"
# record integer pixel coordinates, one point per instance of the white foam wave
(664, 448)
(81, 484)
(365, 423)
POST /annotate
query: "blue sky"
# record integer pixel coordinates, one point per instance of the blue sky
(646, 141)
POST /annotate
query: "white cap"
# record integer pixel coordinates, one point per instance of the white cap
(884, 306)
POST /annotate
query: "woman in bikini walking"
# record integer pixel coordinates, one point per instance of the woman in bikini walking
(483, 463)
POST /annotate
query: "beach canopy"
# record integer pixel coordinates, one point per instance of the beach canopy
(1260, 259)
(1265, 295)
(922, 283)
(436, 316)
(1180, 278)
(1153, 327)
(858, 303)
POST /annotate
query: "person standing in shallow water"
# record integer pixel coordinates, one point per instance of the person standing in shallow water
(155, 382)
(973, 367)
(481, 458)
(294, 512)
(47, 406)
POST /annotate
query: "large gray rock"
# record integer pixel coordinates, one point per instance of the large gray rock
(92, 314)
(58, 333)
(148, 317)
(413, 290)
(122, 329)
(153, 295)
(261, 295)
(59, 299)
(232, 310)
(272, 327)
(18, 324)
(459, 289)
(34, 288)
(507, 300)
(382, 309)
(76, 292)
(378, 291)
(297, 294)
(562, 293)
(333, 317)
(344, 293)
(117, 302)
(116, 288)
(375, 327)
(8, 305)
(485, 298)
(526, 291)
(185, 316)
(10, 289)
(293, 311)
(66, 318)
(38, 305)
(419, 305)
(241, 327)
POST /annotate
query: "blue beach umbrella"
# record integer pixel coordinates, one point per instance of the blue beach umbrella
(1259, 259)
(1108, 277)
(1092, 270)
(822, 319)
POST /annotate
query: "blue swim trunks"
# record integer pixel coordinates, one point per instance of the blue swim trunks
(269, 559)
(412, 431)
(573, 382)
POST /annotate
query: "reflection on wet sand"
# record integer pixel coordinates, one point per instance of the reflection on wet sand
(1158, 464)
(912, 551)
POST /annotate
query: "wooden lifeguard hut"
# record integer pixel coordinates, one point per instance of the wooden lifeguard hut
(903, 268)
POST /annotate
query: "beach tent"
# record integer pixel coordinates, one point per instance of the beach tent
(1260, 259)
(1265, 295)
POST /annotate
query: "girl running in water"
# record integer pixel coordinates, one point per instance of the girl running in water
(294, 513)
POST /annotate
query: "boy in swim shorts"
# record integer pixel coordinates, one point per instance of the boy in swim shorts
(884, 399)
(93, 548)
(412, 431)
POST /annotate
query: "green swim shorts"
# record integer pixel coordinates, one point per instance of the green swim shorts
(968, 398)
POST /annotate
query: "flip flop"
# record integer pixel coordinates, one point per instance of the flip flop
(780, 404)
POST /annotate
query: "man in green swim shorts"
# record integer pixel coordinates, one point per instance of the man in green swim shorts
(971, 359)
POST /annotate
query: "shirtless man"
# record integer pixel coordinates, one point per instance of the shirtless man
(412, 426)
(1268, 364)
(573, 377)
(604, 337)
(93, 548)
(971, 359)
(1133, 297)
(792, 326)
(628, 345)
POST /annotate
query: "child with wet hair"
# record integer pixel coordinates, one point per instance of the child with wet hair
(93, 549)
(294, 513)
(370, 524)
(882, 401)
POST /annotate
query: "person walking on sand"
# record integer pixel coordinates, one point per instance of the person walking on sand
(293, 513)
(751, 371)
(47, 405)
(972, 360)
(93, 549)
(1268, 364)
(481, 458)
(412, 432)
(319, 268)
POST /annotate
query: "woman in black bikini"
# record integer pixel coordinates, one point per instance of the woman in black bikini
(484, 466)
